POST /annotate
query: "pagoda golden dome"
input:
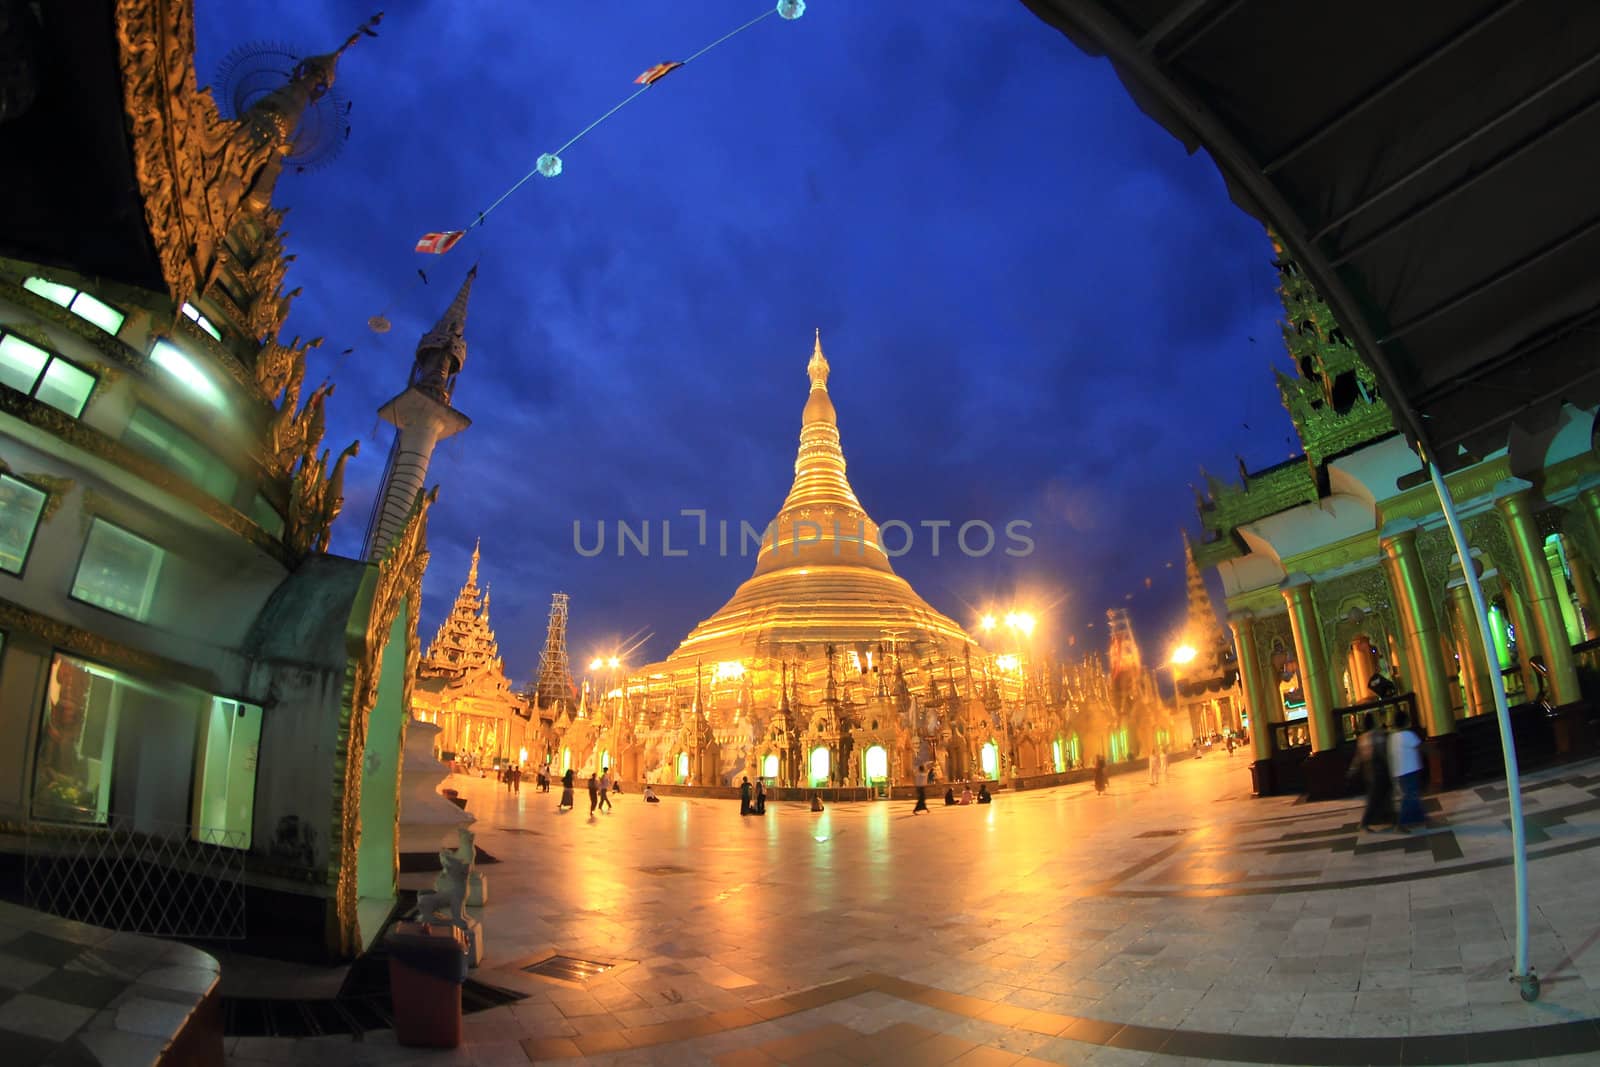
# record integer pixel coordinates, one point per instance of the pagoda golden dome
(822, 576)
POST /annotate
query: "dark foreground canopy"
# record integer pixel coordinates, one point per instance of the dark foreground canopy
(1434, 166)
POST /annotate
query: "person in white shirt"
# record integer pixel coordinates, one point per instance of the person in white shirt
(1405, 764)
(605, 789)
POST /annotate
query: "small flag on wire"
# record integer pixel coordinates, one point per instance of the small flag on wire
(440, 243)
(656, 73)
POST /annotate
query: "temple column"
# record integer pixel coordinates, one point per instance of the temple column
(1588, 504)
(1527, 640)
(1477, 683)
(1363, 665)
(1583, 579)
(1243, 624)
(1514, 499)
(1402, 563)
(1315, 682)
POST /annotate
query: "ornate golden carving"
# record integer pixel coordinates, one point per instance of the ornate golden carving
(293, 436)
(1265, 493)
(398, 581)
(1486, 532)
(278, 364)
(193, 167)
(315, 501)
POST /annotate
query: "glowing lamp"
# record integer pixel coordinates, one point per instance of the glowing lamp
(171, 359)
(1183, 654)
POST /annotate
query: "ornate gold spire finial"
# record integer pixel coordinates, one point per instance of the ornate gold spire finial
(472, 571)
(818, 367)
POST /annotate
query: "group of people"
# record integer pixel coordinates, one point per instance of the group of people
(601, 786)
(752, 802)
(983, 797)
(1390, 761)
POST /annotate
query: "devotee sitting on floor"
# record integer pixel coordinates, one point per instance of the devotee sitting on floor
(949, 797)
(650, 796)
(966, 793)
(816, 802)
(983, 794)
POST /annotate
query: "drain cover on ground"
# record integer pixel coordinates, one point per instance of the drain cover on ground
(664, 868)
(568, 969)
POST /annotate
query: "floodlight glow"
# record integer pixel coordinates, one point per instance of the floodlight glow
(171, 359)
(1183, 654)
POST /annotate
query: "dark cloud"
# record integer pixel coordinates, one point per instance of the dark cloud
(1036, 305)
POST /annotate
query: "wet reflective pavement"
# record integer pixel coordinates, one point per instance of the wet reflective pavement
(1185, 922)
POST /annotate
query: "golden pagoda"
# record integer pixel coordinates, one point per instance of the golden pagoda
(462, 685)
(822, 576)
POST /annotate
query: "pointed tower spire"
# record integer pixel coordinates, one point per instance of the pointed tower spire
(442, 352)
(273, 119)
(423, 416)
(1203, 630)
(472, 570)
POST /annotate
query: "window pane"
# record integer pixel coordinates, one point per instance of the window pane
(172, 448)
(20, 363)
(66, 387)
(52, 291)
(266, 516)
(72, 775)
(20, 505)
(170, 358)
(98, 312)
(193, 314)
(118, 571)
(225, 774)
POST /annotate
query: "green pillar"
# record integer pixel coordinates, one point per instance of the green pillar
(1583, 578)
(1514, 499)
(1402, 563)
(1253, 683)
(1476, 682)
(1312, 658)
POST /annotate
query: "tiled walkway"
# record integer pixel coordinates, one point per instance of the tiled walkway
(1148, 926)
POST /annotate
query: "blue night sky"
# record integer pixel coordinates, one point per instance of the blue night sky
(1036, 305)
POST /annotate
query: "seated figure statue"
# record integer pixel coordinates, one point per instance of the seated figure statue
(450, 888)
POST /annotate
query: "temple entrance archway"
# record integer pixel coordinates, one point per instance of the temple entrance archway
(876, 764)
(989, 759)
(566, 759)
(1057, 757)
(377, 857)
(821, 765)
(769, 765)
(683, 768)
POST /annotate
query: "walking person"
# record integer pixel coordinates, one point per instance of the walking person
(566, 792)
(605, 788)
(1100, 775)
(922, 789)
(744, 796)
(1372, 762)
(761, 797)
(594, 792)
(1155, 766)
(1405, 764)
(516, 779)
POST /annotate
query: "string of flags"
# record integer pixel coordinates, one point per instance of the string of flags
(550, 164)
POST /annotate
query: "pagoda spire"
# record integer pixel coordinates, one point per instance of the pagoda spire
(819, 468)
(1203, 630)
(273, 120)
(472, 570)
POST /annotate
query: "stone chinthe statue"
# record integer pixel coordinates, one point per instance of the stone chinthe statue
(450, 888)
